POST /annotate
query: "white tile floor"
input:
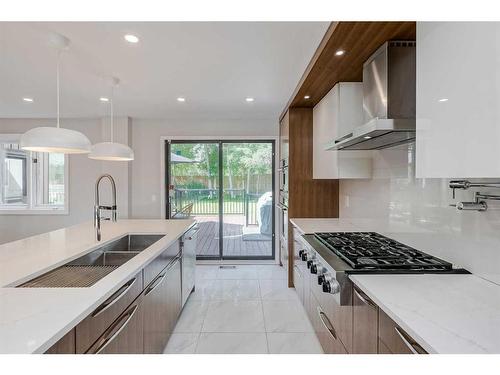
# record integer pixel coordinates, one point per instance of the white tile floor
(248, 309)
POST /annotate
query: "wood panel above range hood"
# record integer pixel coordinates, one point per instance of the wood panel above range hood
(359, 40)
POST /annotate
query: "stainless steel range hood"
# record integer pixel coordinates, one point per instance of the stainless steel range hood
(389, 100)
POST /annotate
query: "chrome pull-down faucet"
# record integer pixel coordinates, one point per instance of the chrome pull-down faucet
(98, 207)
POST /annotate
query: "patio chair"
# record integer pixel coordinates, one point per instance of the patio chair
(184, 212)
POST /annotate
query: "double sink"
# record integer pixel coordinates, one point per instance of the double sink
(86, 270)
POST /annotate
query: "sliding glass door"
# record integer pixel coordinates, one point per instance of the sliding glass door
(227, 186)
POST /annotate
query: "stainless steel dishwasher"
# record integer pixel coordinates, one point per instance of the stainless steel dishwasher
(188, 262)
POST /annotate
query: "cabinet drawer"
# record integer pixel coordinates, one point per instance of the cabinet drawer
(160, 262)
(89, 329)
(395, 340)
(365, 324)
(340, 316)
(124, 335)
(325, 331)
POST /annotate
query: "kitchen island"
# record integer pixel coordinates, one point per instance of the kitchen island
(33, 319)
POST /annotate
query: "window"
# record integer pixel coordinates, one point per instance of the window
(31, 182)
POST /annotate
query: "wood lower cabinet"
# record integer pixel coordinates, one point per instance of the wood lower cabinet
(394, 340)
(325, 330)
(163, 260)
(162, 305)
(365, 324)
(66, 345)
(94, 325)
(125, 335)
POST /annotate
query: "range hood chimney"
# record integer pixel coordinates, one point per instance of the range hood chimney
(389, 99)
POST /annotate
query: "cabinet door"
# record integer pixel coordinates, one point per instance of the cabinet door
(335, 116)
(365, 324)
(174, 296)
(458, 91)
(161, 300)
(393, 339)
(125, 335)
(298, 282)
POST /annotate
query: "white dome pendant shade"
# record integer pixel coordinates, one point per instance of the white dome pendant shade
(56, 139)
(111, 151)
(60, 140)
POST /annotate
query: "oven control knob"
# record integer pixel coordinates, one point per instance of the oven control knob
(304, 256)
(321, 279)
(314, 267)
(301, 252)
(331, 286)
(309, 263)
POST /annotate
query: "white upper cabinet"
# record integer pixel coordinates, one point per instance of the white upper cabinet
(458, 99)
(333, 117)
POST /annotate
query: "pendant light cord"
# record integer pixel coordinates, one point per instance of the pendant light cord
(112, 100)
(57, 84)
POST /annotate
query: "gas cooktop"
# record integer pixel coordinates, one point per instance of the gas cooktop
(370, 251)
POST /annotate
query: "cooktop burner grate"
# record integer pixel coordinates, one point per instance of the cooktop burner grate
(372, 251)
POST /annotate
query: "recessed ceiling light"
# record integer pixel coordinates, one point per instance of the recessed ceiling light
(306, 97)
(181, 99)
(367, 137)
(29, 100)
(340, 52)
(443, 100)
(249, 100)
(131, 38)
(103, 99)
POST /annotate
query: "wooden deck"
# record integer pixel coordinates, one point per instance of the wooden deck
(234, 245)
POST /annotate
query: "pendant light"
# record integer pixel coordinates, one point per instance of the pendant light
(56, 139)
(111, 151)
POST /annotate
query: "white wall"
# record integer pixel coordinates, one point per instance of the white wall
(146, 173)
(417, 211)
(83, 173)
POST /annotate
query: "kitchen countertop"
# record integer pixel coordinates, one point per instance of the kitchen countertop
(453, 313)
(33, 319)
(443, 313)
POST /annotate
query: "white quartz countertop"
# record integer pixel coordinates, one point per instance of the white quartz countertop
(33, 319)
(443, 313)
(452, 313)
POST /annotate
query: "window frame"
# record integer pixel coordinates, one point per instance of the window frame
(32, 208)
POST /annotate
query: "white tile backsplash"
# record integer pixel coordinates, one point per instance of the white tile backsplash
(396, 199)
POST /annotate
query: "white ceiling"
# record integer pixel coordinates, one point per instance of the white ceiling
(214, 65)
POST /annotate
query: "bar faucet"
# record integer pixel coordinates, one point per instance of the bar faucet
(98, 207)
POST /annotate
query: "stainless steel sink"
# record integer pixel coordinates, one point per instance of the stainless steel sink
(132, 242)
(90, 268)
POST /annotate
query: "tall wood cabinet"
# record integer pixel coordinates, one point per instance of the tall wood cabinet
(307, 197)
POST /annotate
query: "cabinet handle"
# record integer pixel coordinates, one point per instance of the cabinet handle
(114, 298)
(115, 330)
(364, 298)
(413, 346)
(327, 324)
(155, 283)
